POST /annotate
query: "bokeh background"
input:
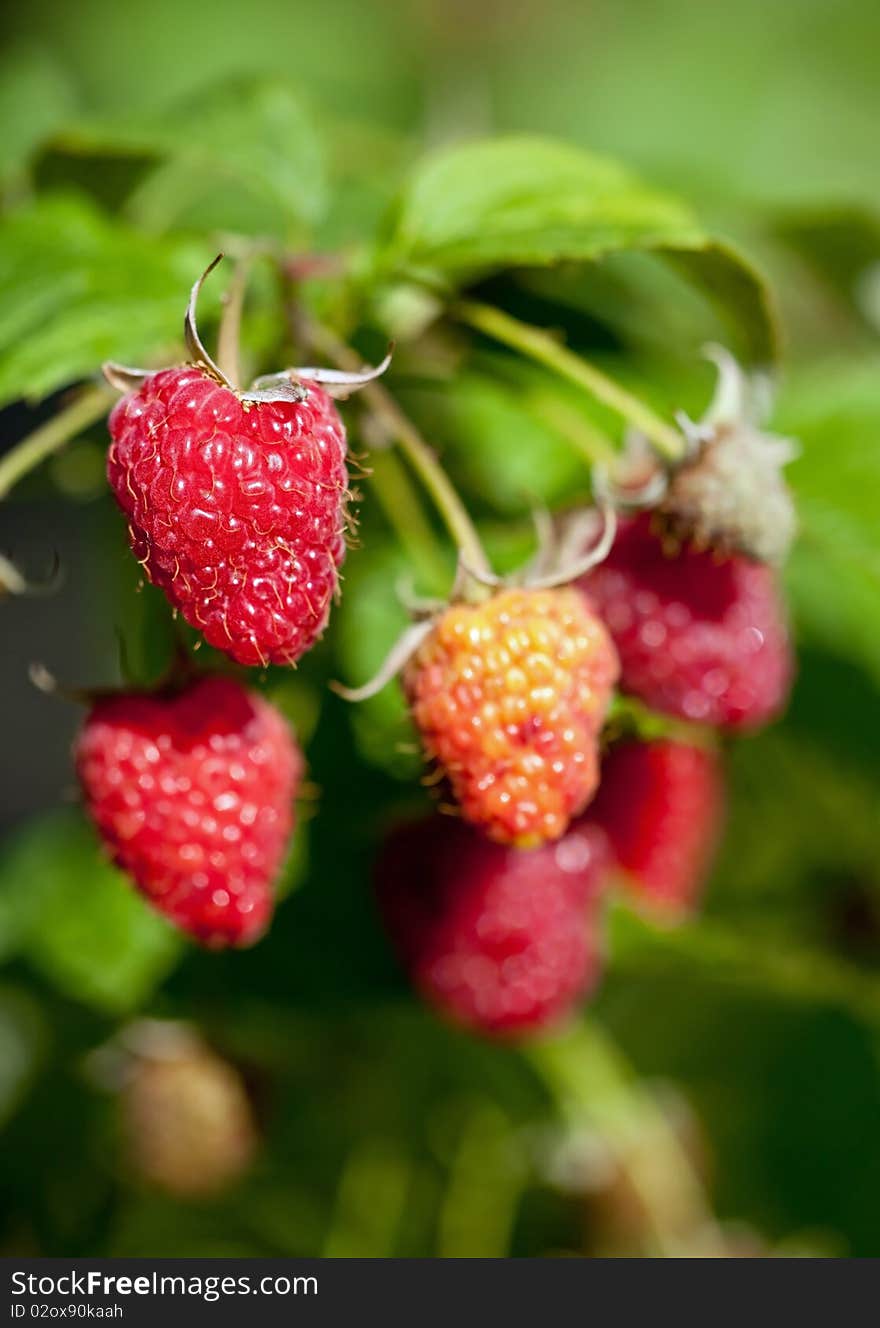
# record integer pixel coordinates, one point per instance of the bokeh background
(724, 1093)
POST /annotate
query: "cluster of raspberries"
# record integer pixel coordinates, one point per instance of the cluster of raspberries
(497, 915)
(236, 505)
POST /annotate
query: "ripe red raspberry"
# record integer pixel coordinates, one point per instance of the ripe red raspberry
(661, 806)
(700, 637)
(503, 941)
(192, 793)
(236, 508)
(509, 697)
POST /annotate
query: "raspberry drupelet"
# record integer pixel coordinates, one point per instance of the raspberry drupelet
(509, 696)
(236, 508)
(192, 794)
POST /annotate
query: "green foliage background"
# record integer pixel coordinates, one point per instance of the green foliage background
(137, 140)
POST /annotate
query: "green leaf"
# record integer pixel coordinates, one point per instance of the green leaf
(525, 202)
(22, 1040)
(298, 700)
(833, 408)
(745, 959)
(735, 288)
(76, 289)
(369, 620)
(78, 920)
(495, 438)
(242, 156)
(36, 97)
(798, 815)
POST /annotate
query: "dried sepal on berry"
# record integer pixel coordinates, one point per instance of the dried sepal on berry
(728, 492)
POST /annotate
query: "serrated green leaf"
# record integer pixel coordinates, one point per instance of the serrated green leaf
(78, 920)
(526, 202)
(76, 289)
(244, 155)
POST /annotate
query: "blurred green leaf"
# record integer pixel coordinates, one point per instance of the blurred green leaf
(22, 1039)
(368, 621)
(746, 960)
(494, 437)
(797, 816)
(296, 861)
(298, 700)
(370, 1203)
(78, 920)
(76, 289)
(525, 201)
(839, 245)
(735, 288)
(36, 96)
(833, 409)
(248, 137)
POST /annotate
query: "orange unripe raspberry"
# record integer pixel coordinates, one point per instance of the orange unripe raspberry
(509, 697)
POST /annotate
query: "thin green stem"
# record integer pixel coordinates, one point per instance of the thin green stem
(394, 423)
(404, 512)
(586, 438)
(370, 1204)
(484, 1189)
(88, 407)
(594, 1086)
(423, 461)
(540, 346)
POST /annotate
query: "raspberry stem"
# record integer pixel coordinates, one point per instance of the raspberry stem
(403, 509)
(50, 437)
(542, 347)
(397, 425)
(594, 1087)
(584, 436)
(229, 334)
